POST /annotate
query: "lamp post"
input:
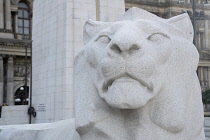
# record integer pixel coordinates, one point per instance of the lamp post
(193, 16)
(193, 20)
(31, 110)
(26, 75)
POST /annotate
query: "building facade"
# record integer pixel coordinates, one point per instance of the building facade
(15, 52)
(170, 8)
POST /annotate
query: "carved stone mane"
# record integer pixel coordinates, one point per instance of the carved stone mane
(136, 79)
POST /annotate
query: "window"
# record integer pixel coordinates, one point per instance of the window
(13, 21)
(202, 44)
(23, 18)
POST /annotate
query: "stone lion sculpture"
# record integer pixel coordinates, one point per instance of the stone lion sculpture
(135, 79)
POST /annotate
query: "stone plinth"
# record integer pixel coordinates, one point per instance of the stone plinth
(12, 115)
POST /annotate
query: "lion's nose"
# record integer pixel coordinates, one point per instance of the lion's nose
(124, 49)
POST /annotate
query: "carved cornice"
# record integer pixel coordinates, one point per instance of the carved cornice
(13, 2)
(165, 4)
(14, 45)
(152, 3)
(6, 31)
(29, 2)
(14, 42)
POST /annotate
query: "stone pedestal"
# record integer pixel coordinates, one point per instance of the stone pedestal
(1, 15)
(1, 80)
(10, 79)
(8, 15)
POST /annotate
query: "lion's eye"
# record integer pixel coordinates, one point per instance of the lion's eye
(104, 39)
(157, 37)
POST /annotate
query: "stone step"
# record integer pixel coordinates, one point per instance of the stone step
(61, 130)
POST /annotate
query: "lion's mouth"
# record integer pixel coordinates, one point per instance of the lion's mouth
(125, 79)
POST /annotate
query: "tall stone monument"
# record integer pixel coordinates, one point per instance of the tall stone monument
(57, 37)
(136, 80)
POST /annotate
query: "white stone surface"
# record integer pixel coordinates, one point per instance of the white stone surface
(14, 115)
(136, 79)
(57, 37)
(62, 130)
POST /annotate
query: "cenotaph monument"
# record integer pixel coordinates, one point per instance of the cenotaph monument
(135, 79)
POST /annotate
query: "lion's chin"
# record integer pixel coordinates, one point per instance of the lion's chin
(127, 94)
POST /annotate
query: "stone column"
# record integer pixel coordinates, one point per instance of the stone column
(16, 24)
(201, 69)
(205, 75)
(198, 40)
(97, 10)
(208, 77)
(1, 80)
(206, 29)
(1, 15)
(8, 14)
(10, 80)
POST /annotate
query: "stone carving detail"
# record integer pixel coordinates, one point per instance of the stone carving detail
(29, 3)
(135, 79)
(13, 2)
(19, 69)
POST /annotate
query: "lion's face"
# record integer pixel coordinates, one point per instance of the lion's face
(128, 57)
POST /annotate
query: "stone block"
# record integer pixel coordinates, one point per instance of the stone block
(62, 130)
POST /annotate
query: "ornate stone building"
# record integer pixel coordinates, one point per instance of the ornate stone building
(15, 50)
(170, 8)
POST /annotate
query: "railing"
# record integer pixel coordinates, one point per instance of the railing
(26, 37)
(23, 36)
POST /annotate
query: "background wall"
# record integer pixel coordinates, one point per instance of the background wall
(57, 37)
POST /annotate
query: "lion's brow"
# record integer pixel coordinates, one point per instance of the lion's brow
(148, 27)
(116, 26)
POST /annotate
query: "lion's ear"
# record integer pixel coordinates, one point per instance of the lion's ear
(92, 28)
(183, 23)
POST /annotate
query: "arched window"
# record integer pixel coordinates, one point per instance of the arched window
(21, 96)
(23, 18)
